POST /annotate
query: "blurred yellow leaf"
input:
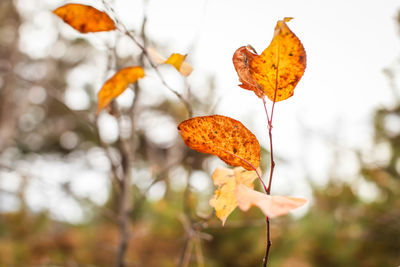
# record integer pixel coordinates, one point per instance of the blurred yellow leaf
(271, 206)
(279, 68)
(175, 59)
(178, 61)
(224, 137)
(85, 18)
(226, 180)
(117, 84)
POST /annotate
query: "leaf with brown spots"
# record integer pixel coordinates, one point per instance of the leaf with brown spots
(271, 206)
(224, 137)
(85, 18)
(226, 180)
(276, 72)
(279, 68)
(117, 84)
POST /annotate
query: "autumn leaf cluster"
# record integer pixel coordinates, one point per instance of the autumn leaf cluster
(274, 73)
(87, 19)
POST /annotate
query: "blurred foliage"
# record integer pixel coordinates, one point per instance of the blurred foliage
(340, 229)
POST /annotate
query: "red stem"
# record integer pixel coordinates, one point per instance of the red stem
(268, 191)
(251, 165)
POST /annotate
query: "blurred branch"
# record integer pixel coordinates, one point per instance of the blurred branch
(193, 239)
(123, 29)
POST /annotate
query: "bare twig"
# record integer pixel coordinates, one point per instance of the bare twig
(122, 28)
(268, 191)
(193, 239)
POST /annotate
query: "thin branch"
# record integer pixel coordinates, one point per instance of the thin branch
(268, 191)
(199, 252)
(122, 28)
(269, 243)
(251, 165)
(187, 253)
(124, 203)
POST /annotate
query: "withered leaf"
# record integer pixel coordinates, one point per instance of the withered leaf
(241, 60)
(85, 18)
(279, 68)
(226, 180)
(224, 137)
(117, 84)
(271, 206)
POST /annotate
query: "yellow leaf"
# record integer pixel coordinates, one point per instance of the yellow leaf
(176, 60)
(85, 18)
(271, 206)
(224, 137)
(280, 67)
(117, 84)
(226, 180)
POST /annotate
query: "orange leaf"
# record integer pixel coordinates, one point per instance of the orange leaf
(279, 68)
(85, 18)
(224, 137)
(276, 72)
(241, 60)
(117, 84)
(271, 206)
(175, 59)
(224, 198)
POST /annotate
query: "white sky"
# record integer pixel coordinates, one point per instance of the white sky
(348, 44)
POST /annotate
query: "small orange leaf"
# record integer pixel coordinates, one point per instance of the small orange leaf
(226, 180)
(175, 59)
(241, 60)
(85, 18)
(271, 206)
(279, 68)
(117, 84)
(224, 137)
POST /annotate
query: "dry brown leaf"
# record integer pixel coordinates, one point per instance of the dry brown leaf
(85, 18)
(241, 60)
(271, 206)
(279, 68)
(224, 137)
(117, 84)
(226, 180)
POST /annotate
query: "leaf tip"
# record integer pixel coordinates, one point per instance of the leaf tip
(287, 19)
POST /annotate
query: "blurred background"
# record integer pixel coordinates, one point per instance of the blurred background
(62, 169)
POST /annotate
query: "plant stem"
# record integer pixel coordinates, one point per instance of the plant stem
(272, 158)
(124, 208)
(251, 165)
(269, 243)
(271, 173)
